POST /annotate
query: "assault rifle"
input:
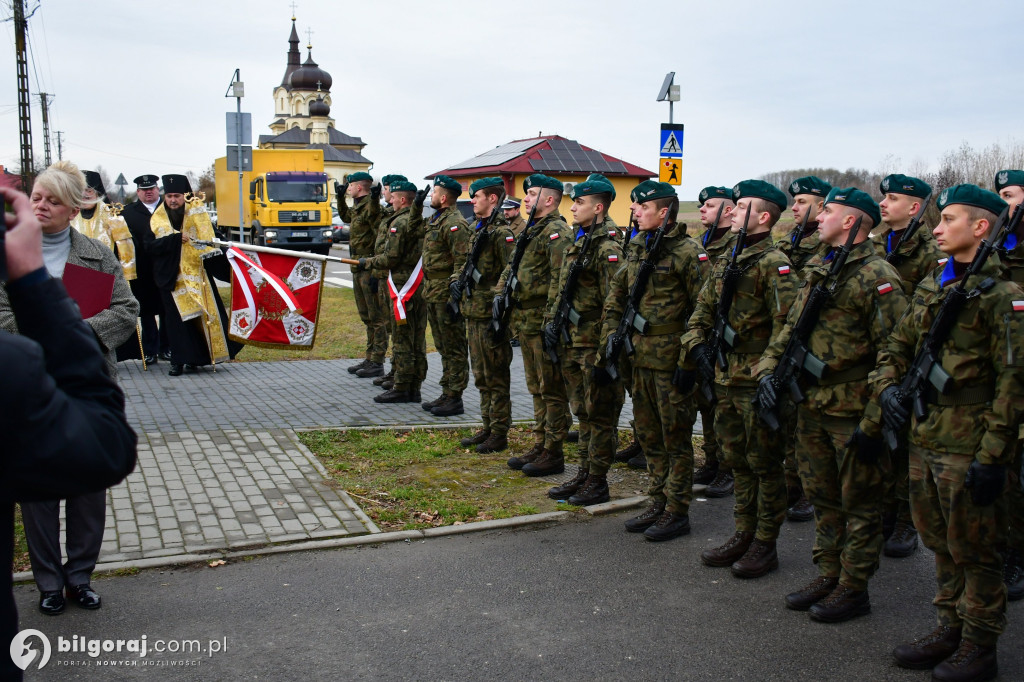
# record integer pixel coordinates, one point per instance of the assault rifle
(555, 329)
(915, 223)
(926, 370)
(799, 236)
(470, 275)
(797, 357)
(503, 303)
(631, 319)
(714, 227)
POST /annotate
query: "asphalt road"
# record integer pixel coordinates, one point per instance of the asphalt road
(581, 600)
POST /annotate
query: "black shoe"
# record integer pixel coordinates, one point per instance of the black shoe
(191, 368)
(669, 525)
(530, 455)
(811, 594)
(549, 462)
(451, 407)
(84, 596)
(706, 473)
(379, 381)
(372, 369)
(388, 384)
(567, 489)
(638, 462)
(930, 650)
(629, 452)
(638, 524)
(151, 359)
(841, 605)
(1013, 575)
(721, 486)
(396, 396)
(176, 370)
(593, 491)
(434, 403)
(51, 603)
(356, 367)
(971, 662)
(802, 510)
(572, 437)
(514, 343)
(902, 542)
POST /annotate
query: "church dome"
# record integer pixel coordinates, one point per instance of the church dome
(319, 107)
(310, 76)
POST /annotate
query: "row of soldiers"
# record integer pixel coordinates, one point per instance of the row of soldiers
(838, 315)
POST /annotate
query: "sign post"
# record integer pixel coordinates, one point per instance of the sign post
(241, 126)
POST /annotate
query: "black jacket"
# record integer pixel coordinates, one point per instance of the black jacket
(136, 215)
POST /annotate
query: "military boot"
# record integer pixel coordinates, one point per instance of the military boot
(844, 603)
(477, 438)
(372, 369)
(569, 488)
(812, 593)
(572, 437)
(397, 395)
(721, 486)
(902, 542)
(629, 452)
(1013, 575)
(759, 559)
(390, 376)
(970, 663)
(638, 462)
(639, 524)
(388, 384)
(801, 510)
(494, 443)
(530, 455)
(428, 406)
(358, 366)
(930, 650)
(706, 473)
(669, 525)
(728, 553)
(593, 491)
(451, 407)
(551, 461)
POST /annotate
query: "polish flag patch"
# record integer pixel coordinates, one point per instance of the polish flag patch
(702, 257)
(554, 236)
(453, 228)
(612, 258)
(510, 238)
(884, 288)
(394, 229)
(1018, 306)
(783, 269)
(612, 233)
(942, 261)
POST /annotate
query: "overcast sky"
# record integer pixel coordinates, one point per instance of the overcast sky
(765, 85)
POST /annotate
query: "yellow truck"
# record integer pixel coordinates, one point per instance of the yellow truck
(287, 204)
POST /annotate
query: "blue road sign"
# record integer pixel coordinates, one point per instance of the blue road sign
(671, 140)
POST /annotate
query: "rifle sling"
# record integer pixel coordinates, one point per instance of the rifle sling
(966, 395)
(752, 346)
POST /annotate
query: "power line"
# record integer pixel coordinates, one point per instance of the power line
(126, 156)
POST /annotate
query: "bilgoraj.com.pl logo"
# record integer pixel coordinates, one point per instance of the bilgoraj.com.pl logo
(24, 651)
(32, 648)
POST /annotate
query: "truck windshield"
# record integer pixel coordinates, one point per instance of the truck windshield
(293, 191)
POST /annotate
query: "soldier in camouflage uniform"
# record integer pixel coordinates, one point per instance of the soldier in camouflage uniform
(380, 276)
(490, 356)
(596, 406)
(960, 448)
(1010, 185)
(763, 295)
(445, 245)
(716, 475)
(363, 218)
(537, 287)
(513, 215)
(664, 405)
(843, 471)
(403, 246)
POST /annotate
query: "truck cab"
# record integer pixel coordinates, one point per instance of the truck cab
(291, 210)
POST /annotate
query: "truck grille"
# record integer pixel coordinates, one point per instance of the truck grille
(298, 216)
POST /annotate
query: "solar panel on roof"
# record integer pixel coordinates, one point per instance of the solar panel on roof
(497, 156)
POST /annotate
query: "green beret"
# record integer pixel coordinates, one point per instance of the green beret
(448, 183)
(761, 190)
(359, 176)
(583, 189)
(388, 179)
(483, 183)
(402, 186)
(714, 193)
(649, 190)
(971, 195)
(1009, 178)
(598, 176)
(854, 198)
(810, 184)
(541, 181)
(904, 184)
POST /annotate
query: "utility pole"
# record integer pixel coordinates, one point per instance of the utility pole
(24, 110)
(43, 99)
(60, 155)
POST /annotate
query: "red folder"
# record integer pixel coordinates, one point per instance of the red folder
(91, 289)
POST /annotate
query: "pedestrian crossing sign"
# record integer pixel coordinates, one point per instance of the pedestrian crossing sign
(672, 140)
(670, 170)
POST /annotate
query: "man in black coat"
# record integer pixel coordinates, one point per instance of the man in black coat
(62, 416)
(137, 214)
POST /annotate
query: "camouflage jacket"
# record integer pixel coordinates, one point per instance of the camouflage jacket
(853, 326)
(666, 303)
(363, 219)
(516, 225)
(403, 245)
(445, 243)
(378, 244)
(604, 258)
(538, 271)
(1013, 263)
(764, 294)
(714, 250)
(476, 304)
(985, 351)
(809, 247)
(915, 259)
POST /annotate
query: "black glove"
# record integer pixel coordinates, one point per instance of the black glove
(339, 190)
(421, 196)
(456, 290)
(498, 307)
(767, 396)
(894, 413)
(375, 192)
(985, 481)
(600, 376)
(549, 335)
(374, 285)
(867, 449)
(684, 379)
(362, 264)
(705, 367)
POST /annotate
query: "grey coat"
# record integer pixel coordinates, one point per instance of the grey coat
(112, 326)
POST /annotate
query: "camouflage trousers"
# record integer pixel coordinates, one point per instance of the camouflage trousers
(373, 314)
(389, 317)
(897, 493)
(845, 494)
(965, 539)
(664, 419)
(1015, 505)
(450, 340)
(490, 360)
(787, 415)
(596, 407)
(410, 340)
(546, 384)
(754, 452)
(707, 419)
